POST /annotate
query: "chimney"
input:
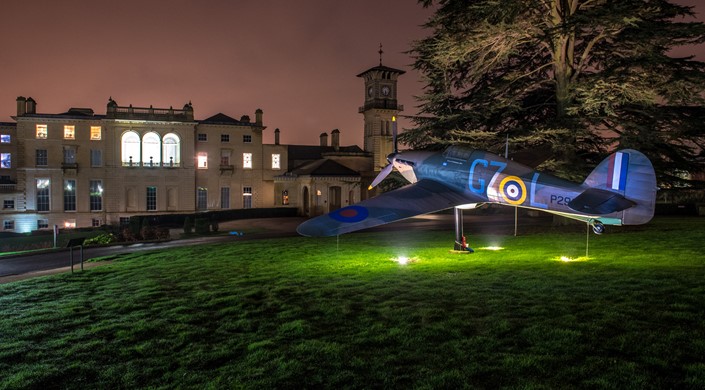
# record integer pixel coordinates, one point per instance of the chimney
(335, 139)
(324, 139)
(258, 117)
(31, 106)
(21, 105)
(276, 136)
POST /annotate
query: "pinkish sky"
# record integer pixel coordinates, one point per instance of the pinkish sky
(296, 60)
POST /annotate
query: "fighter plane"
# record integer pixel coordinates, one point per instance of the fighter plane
(621, 190)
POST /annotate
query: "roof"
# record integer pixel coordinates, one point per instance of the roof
(313, 152)
(324, 167)
(382, 68)
(65, 115)
(222, 119)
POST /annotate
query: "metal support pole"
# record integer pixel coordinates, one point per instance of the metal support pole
(71, 255)
(82, 258)
(458, 229)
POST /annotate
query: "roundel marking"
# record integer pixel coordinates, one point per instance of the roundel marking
(350, 214)
(513, 190)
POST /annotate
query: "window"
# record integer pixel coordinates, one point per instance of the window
(224, 197)
(202, 160)
(224, 157)
(42, 157)
(43, 194)
(8, 224)
(5, 160)
(8, 204)
(202, 137)
(130, 149)
(246, 138)
(69, 132)
(70, 195)
(225, 138)
(247, 197)
(124, 221)
(95, 222)
(69, 155)
(4, 138)
(151, 198)
(96, 157)
(247, 160)
(96, 133)
(42, 132)
(95, 192)
(70, 224)
(151, 153)
(171, 150)
(276, 161)
(42, 224)
(201, 198)
(285, 197)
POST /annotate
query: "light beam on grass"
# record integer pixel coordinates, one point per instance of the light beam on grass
(491, 248)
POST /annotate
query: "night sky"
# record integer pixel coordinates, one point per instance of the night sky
(296, 60)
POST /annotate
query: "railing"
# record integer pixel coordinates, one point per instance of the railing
(384, 104)
(132, 164)
(149, 113)
(227, 167)
(8, 187)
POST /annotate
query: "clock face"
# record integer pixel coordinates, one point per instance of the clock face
(385, 90)
(370, 90)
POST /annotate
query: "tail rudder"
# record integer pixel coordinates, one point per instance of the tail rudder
(629, 173)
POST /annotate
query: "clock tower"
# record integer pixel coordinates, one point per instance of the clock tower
(379, 109)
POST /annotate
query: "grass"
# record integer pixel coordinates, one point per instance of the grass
(304, 312)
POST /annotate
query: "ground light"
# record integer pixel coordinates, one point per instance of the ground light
(403, 260)
(568, 259)
(491, 248)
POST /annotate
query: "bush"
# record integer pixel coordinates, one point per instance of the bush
(188, 225)
(163, 233)
(135, 226)
(214, 226)
(102, 239)
(202, 226)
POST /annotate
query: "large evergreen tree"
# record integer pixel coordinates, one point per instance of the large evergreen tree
(576, 77)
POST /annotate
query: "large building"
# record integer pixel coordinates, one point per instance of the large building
(80, 169)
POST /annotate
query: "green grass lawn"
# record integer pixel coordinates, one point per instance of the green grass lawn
(303, 312)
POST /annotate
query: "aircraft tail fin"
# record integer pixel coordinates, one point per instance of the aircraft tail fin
(628, 173)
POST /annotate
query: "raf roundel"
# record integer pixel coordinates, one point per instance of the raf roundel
(350, 214)
(513, 190)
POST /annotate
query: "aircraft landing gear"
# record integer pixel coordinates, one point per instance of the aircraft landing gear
(461, 245)
(598, 227)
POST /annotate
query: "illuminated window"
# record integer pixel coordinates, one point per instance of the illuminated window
(42, 224)
(5, 160)
(96, 195)
(70, 195)
(247, 160)
(95, 222)
(276, 158)
(42, 157)
(130, 149)
(224, 197)
(70, 224)
(202, 137)
(151, 198)
(285, 198)
(202, 160)
(43, 194)
(5, 138)
(171, 150)
(247, 138)
(201, 198)
(69, 132)
(42, 132)
(151, 150)
(247, 197)
(8, 224)
(8, 204)
(225, 138)
(96, 133)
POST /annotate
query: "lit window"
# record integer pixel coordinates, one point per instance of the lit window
(201, 198)
(247, 138)
(225, 138)
(8, 204)
(202, 137)
(285, 197)
(4, 138)
(276, 158)
(96, 195)
(42, 157)
(247, 160)
(42, 131)
(8, 224)
(43, 194)
(171, 150)
(130, 149)
(96, 133)
(95, 222)
(70, 224)
(5, 160)
(42, 224)
(202, 160)
(247, 197)
(70, 195)
(151, 198)
(151, 153)
(224, 197)
(96, 157)
(69, 132)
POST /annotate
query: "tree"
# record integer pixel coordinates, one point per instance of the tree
(579, 76)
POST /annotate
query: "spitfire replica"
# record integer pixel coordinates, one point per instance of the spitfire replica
(621, 190)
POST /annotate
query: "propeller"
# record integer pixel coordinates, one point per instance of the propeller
(391, 158)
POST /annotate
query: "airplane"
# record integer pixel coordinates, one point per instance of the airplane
(621, 190)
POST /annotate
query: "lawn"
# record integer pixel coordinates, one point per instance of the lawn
(340, 313)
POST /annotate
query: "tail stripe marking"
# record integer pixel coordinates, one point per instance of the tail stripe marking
(617, 174)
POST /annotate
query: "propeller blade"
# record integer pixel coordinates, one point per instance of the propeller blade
(382, 175)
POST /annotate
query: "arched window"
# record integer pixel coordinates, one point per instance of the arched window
(151, 150)
(171, 150)
(130, 148)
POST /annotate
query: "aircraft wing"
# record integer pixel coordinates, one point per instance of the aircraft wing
(423, 197)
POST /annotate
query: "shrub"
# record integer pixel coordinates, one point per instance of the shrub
(135, 226)
(214, 226)
(188, 225)
(163, 233)
(101, 239)
(202, 226)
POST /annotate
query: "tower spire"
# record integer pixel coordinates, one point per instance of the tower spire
(380, 53)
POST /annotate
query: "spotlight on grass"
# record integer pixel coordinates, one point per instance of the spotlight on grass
(491, 248)
(567, 259)
(403, 260)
